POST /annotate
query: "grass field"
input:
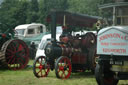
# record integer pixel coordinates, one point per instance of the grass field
(26, 77)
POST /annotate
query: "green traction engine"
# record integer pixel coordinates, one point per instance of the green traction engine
(14, 53)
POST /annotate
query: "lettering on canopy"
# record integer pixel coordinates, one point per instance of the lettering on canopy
(114, 50)
(113, 35)
(113, 42)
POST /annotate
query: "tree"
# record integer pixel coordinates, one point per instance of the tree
(20, 13)
(46, 6)
(15, 12)
(33, 15)
(34, 6)
(89, 7)
(7, 9)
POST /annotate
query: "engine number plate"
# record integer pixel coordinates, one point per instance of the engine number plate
(116, 62)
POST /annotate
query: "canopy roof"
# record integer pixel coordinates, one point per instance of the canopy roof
(73, 19)
(110, 5)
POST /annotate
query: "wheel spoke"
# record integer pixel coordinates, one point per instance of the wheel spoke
(39, 72)
(46, 72)
(13, 61)
(8, 57)
(14, 45)
(21, 54)
(10, 51)
(61, 75)
(20, 60)
(10, 60)
(65, 61)
(64, 74)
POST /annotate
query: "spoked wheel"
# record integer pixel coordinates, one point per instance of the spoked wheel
(63, 67)
(104, 77)
(16, 54)
(40, 67)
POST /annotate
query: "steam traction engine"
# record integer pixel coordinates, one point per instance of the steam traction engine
(71, 54)
(13, 52)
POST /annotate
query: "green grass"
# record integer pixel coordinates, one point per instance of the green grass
(26, 77)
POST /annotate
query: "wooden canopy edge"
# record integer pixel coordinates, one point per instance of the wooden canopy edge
(74, 19)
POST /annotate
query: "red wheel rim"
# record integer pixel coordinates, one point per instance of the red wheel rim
(42, 68)
(64, 68)
(17, 54)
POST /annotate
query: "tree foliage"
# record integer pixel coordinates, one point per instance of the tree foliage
(8, 11)
(33, 11)
(89, 7)
(16, 12)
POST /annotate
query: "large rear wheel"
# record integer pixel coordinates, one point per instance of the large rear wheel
(104, 76)
(16, 54)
